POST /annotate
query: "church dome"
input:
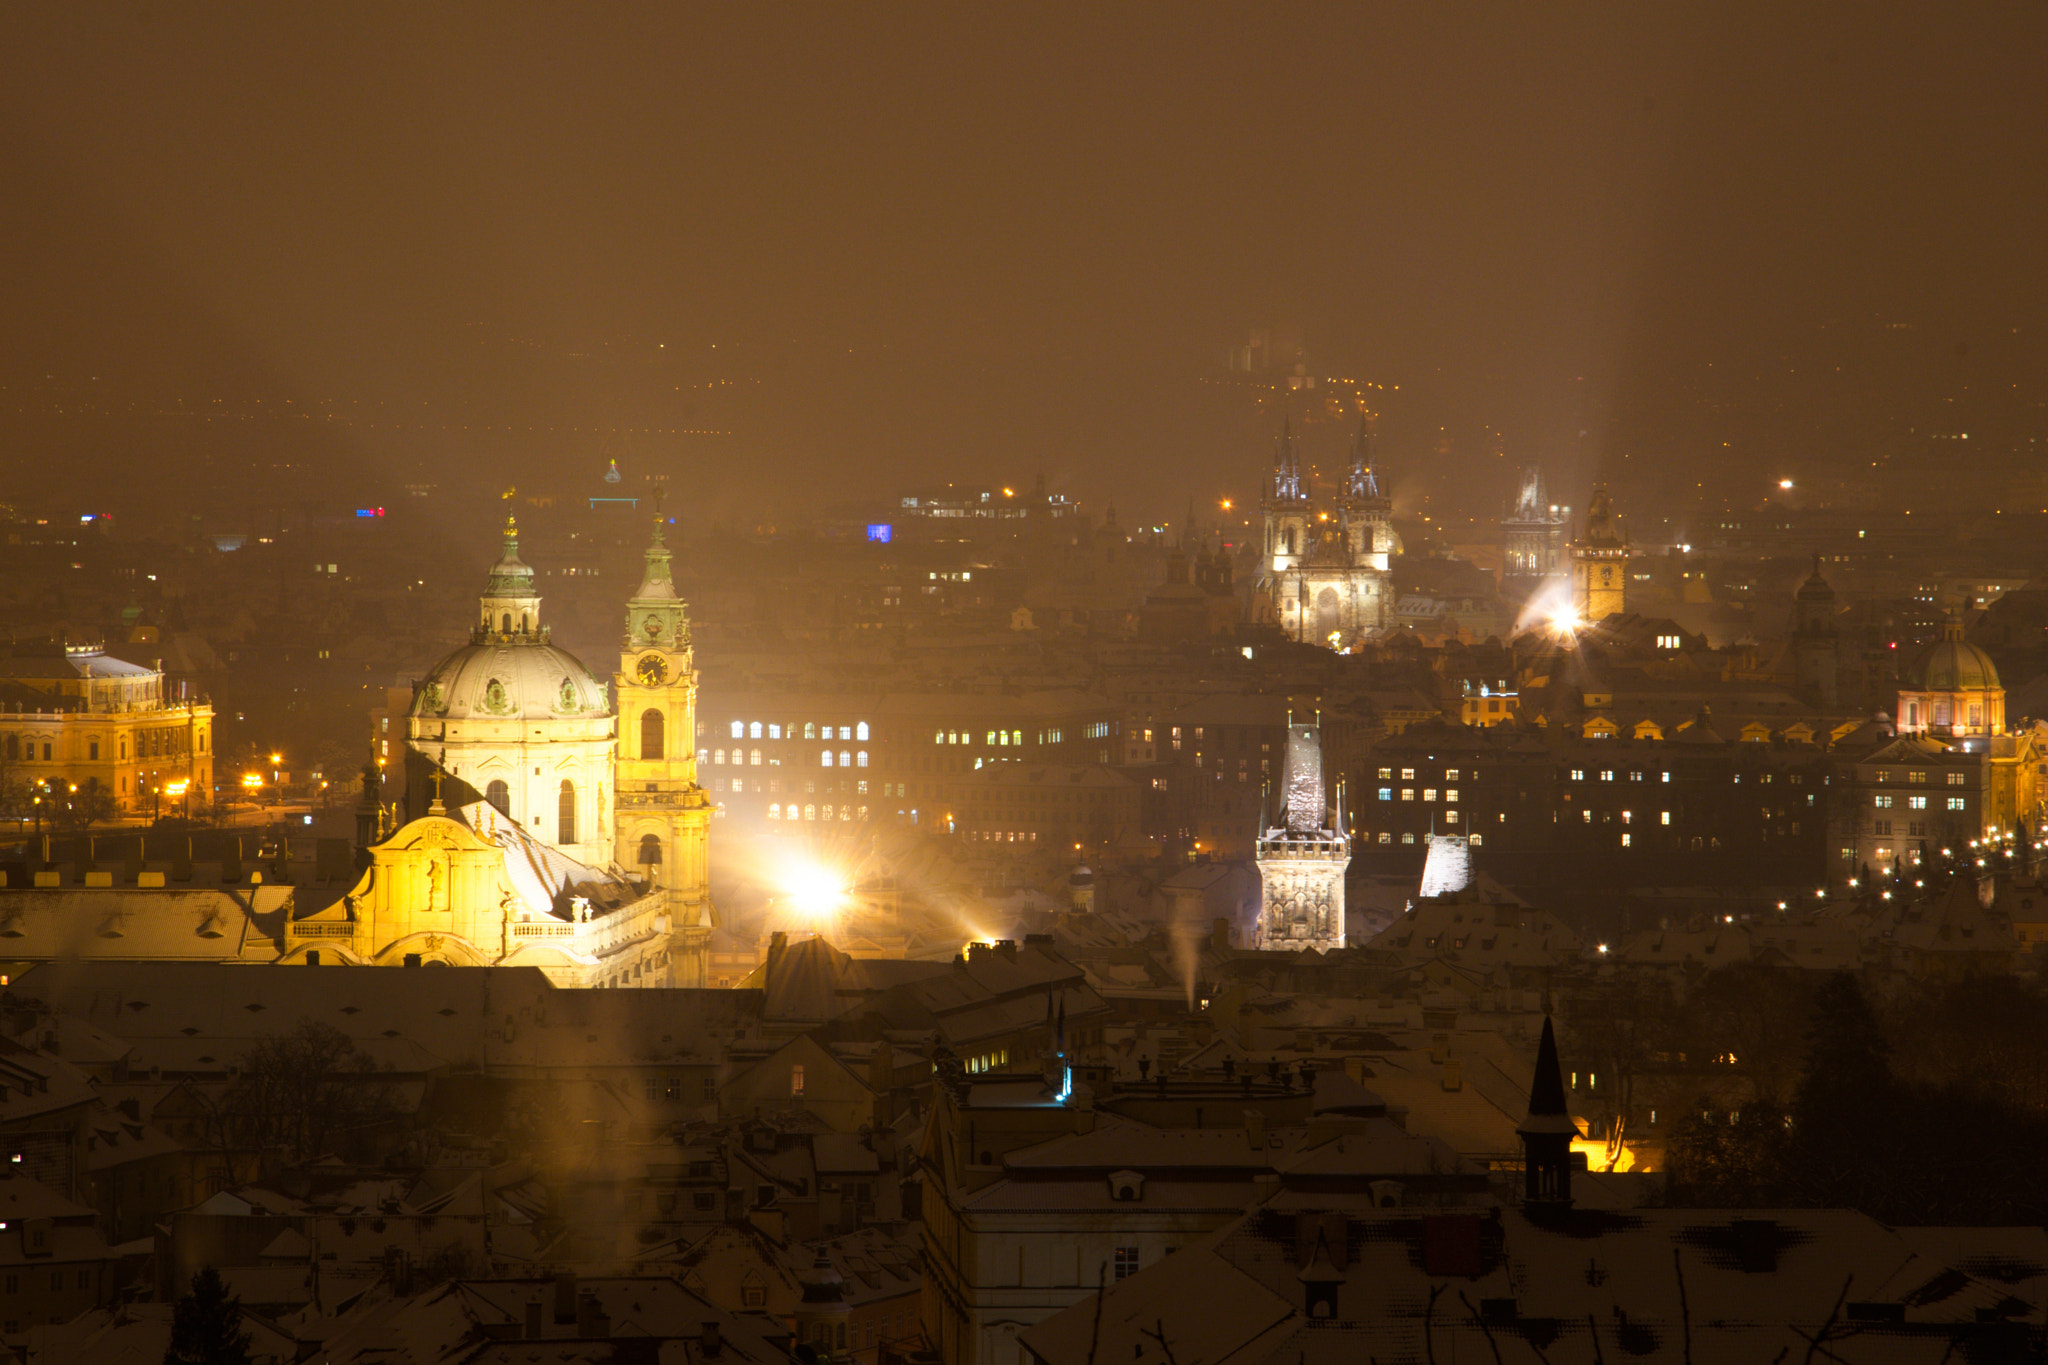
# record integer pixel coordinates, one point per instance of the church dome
(1950, 664)
(511, 680)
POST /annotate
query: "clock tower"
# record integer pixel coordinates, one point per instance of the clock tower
(663, 822)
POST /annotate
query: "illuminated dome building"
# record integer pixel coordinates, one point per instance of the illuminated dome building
(517, 722)
(1951, 687)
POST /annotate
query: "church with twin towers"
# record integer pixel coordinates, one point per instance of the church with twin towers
(1326, 565)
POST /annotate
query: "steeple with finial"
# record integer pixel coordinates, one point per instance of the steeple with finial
(1547, 1131)
(656, 616)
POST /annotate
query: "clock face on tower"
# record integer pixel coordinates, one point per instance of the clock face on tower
(651, 668)
(652, 626)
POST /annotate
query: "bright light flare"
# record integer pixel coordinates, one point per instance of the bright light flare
(813, 889)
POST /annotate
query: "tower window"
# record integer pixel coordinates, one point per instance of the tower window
(565, 812)
(650, 850)
(500, 796)
(652, 734)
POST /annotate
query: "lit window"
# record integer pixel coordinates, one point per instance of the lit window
(1884, 802)
(739, 729)
(1407, 774)
(1578, 774)
(1450, 817)
(1429, 793)
(1607, 776)
(1408, 838)
(845, 759)
(796, 1080)
(1916, 802)
(1386, 837)
(1954, 779)
(1450, 794)
(1958, 803)
(861, 759)
(718, 756)
(1407, 793)
(1624, 841)
(1451, 775)
(1385, 773)
(825, 759)
(775, 810)
(1586, 816)
(1386, 793)
(754, 730)
(756, 758)
(1474, 840)
(1663, 817)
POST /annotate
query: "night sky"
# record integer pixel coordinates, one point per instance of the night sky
(837, 249)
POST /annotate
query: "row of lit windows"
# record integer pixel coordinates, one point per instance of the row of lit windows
(995, 737)
(752, 730)
(1428, 794)
(988, 1061)
(1004, 836)
(776, 811)
(1917, 775)
(1884, 802)
(847, 758)
(1387, 837)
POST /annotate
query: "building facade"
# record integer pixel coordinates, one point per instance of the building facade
(1532, 537)
(76, 714)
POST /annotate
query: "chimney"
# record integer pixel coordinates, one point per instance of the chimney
(533, 1318)
(1007, 947)
(709, 1342)
(565, 1297)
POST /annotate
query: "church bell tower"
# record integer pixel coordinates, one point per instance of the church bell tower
(663, 824)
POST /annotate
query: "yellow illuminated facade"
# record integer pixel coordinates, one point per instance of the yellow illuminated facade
(1599, 563)
(663, 824)
(84, 715)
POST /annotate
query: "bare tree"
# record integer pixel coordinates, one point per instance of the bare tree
(301, 1091)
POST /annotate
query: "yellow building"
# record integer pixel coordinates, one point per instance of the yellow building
(470, 888)
(1599, 563)
(79, 714)
(663, 825)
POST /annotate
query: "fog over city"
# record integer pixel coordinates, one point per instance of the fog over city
(1023, 684)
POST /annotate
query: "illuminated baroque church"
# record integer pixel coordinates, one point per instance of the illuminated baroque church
(1328, 572)
(558, 832)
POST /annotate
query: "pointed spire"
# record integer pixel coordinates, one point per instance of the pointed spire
(1547, 1110)
(1363, 481)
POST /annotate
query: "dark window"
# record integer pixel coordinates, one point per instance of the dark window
(500, 795)
(566, 811)
(650, 848)
(313, 957)
(650, 734)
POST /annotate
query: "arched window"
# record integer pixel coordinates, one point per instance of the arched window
(845, 759)
(651, 734)
(124, 742)
(756, 755)
(863, 812)
(810, 812)
(650, 850)
(775, 810)
(508, 623)
(718, 756)
(754, 730)
(739, 729)
(860, 732)
(861, 758)
(824, 812)
(825, 759)
(565, 812)
(500, 796)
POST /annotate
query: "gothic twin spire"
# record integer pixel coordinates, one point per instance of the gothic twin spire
(1361, 480)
